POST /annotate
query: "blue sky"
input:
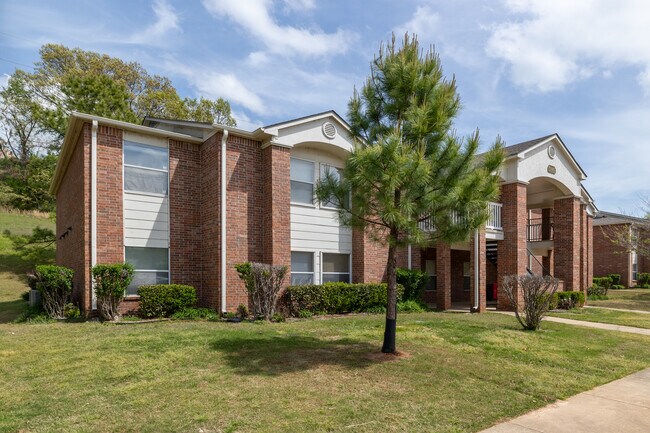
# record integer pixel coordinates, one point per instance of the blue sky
(524, 68)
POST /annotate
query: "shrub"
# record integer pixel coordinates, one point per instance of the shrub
(305, 314)
(163, 300)
(410, 306)
(414, 283)
(615, 279)
(71, 311)
(242, 310)
(569, 300)
(536, 291)
(336, 298)
(111, 281)
(618, 287)
(195, 314)
(277, 317)
(263, 283)
(54, 283)
(643, 279)
(603, 282)
(596, 291)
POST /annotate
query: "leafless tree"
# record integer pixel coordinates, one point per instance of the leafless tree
(633, 236)
(266, 284)
(536, 294)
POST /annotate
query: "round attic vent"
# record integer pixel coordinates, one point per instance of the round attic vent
(551, 151)
(329, 130)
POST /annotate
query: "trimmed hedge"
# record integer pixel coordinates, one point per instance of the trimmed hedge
(336, 298)
(567, 300)
(643, 279)
(604, 282)
(414, 283)
(163, 300)
(615, 279)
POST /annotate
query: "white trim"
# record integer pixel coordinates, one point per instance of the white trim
(224, 193)
(409, 257)
(93, 208)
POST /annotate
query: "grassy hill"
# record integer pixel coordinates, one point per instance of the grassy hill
(15, 264)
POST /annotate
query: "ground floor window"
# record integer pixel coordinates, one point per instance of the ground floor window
(302, 268)
(430, 269)
(151, 266)
(635, 266)
(336, 268)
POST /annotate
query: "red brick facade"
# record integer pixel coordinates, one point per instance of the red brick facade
(610, 258)
(567, 242)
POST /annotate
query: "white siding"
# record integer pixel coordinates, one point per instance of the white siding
(146, 221)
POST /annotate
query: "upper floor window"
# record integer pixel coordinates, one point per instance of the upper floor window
(146, 168)
(302, 181)
(336, 174)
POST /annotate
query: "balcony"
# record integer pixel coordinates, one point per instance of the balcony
(493, 223)
(539, 229)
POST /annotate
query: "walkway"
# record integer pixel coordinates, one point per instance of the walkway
(617, 309)
(622, 406)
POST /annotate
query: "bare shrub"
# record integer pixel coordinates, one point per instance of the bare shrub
(54, 283)
(536, 294)
(263, 283)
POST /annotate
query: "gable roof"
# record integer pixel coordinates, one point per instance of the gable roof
(518, 148)
(310, 117)
(608, 218)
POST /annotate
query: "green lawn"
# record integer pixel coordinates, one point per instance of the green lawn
(625, 318)
(460, 373)
(629, 299)
(13, 265)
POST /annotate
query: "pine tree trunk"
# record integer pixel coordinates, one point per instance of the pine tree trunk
(391, 307)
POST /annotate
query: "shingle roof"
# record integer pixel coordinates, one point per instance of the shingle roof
(525, 145)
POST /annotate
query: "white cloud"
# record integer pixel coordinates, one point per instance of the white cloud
(254, 16)
(425, 23)
(553, 43)
(4, 80)
(299, 5)
(166, 21)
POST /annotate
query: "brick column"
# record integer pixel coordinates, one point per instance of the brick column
(276, 202)
(368, 259)
(584, 282)
(443, 278)
(547, 262)
(590, 250)
(481, 259)
(546, 224)
(512, 250)
(567, 242)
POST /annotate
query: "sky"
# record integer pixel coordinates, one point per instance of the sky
(524, 68)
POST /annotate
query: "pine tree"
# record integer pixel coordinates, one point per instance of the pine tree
(408, 168)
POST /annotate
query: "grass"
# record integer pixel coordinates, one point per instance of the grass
(629, 299)
(14, 265)
(613, 317)
(462, 373)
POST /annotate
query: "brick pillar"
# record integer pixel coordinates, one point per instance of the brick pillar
(512, 249)
(368, 259)
(443, 278)
(547, 262)
(590, 250)
(584, 259)
(276, 202)
(482, 261)
(567, 242)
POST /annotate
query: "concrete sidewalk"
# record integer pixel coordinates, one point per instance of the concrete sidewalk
(617, 309)
(622, 406)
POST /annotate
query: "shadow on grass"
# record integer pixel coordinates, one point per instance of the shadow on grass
(10, 310)
(275, 355)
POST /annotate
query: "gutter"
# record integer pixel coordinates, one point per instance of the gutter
(475, 307)
(224, 190)
(93, 207)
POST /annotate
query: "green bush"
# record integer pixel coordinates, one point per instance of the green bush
(596, 291)
(567, 300)
(615, 279)
(604, 282)
(597, 297)
(195, 314)
(643, 279)
(163, 300)
(54, 283)
(336, 298)
(305, 314)
(410, 306)
(111, 281)
(618, 287)
(277, 317)
(414, 283)
(242, 311)
(71, 311)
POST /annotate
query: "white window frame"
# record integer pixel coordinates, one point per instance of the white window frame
(124, 164)
(313, 266)
(315, 164)
(635, 265)
(324, 165)
(169, 270)
(349, 273)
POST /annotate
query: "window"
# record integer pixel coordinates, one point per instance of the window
(146, 168)
(302, 181)
(151, 266)
(336, 268)
(430, 269)
(635, 266)
(467, 275)
(302, 268)
(336, 174)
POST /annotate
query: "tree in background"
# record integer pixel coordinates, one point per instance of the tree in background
(407, 165)
(34, 110)
(635, 236)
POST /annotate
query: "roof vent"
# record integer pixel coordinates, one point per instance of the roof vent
(329, 130)
(551, 151)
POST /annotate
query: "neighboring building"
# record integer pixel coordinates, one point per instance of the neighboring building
(613, 258)
(185, 201)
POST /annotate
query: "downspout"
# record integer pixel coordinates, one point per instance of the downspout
(409, 256)
(224, 140)
(475, 307)
(93, 207)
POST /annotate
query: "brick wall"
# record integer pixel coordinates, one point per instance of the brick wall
(368, 259)
(276, 187)
(210, 219)
(458, 292)
(443, 276)
(185, 238)
(73, 219)
(609, 258)
(567, 233)
(482, 277)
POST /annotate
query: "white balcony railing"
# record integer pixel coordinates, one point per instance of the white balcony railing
(493, 222)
